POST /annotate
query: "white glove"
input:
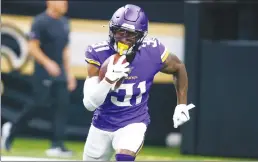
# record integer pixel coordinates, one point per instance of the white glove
(181, 114)
(118, 70)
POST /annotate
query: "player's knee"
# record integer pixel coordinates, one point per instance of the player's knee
(89, 158)
(96, 152)
(96, 156)
(125, 155)
(92, 155)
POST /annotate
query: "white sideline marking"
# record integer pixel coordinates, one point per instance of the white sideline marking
(21, 158)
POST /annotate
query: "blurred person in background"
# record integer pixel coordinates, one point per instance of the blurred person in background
(52, 79)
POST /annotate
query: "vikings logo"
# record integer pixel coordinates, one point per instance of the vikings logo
(14, 46)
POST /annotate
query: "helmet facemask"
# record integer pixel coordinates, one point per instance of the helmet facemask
(126, 41)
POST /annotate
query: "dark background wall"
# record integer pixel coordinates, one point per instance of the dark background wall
(158, 11)
(221, 54)
(228, 93)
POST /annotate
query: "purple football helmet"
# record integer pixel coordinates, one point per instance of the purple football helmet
(128, 25)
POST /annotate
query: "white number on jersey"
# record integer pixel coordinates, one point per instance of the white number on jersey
(101, 46)
(129, 93)
(153, 42)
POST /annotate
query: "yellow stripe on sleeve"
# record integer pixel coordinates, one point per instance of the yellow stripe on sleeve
(91, 61)
(164, 56)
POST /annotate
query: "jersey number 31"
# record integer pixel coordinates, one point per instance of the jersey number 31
(128, 88)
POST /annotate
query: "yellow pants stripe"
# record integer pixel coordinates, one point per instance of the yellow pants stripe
(139, 149)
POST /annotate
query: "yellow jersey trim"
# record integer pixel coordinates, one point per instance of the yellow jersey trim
(164, 56)
(91, 61)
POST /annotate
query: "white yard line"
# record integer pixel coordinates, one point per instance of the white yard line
(21, 158)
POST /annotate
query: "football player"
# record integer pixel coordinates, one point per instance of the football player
(121, 115)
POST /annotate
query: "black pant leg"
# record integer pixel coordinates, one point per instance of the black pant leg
(61, 109)
(40, 98)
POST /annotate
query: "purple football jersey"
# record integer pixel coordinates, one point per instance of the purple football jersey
(128, 103)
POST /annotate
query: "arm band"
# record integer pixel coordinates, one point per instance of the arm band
(95, 92)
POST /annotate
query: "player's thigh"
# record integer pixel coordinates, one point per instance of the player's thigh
(130, 137)
(98, 145)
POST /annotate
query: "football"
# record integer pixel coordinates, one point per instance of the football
(103, 69)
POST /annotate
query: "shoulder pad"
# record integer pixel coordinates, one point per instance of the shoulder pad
(150, 42)
(156, 49)
(101, 46)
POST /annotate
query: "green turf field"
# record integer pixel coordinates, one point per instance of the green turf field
(37, 147)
